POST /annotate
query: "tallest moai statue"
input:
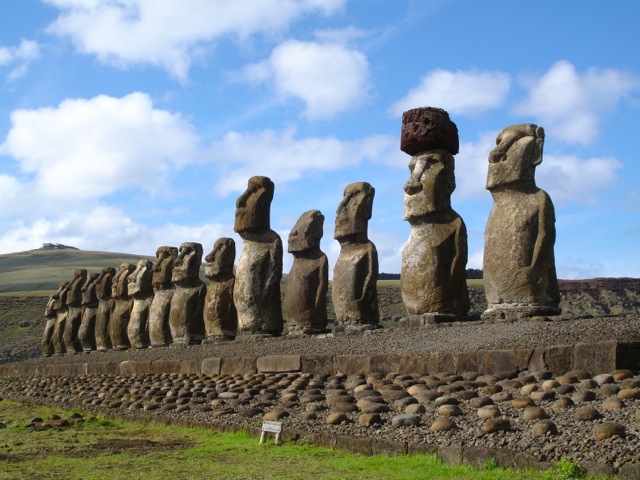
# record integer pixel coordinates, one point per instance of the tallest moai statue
(519, 266)
(434, 260)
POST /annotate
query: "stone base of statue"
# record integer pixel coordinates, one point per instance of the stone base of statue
(250, 336)
(213, 339)
(349, 328)
(435, 318)
(294, 330)
(506, 312)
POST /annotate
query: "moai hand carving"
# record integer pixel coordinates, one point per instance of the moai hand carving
(185, 318)
(354, 289)
(105, 307)
(163, 288)
(74, 317)
(50, 314)
(519, 266)
(122, 303)
(87, 330)
(256, 294)
(434, 260)
(61, 309)
(141, 291)
(305, 292)
(220, 315)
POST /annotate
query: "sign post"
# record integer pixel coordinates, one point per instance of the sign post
(272, 427)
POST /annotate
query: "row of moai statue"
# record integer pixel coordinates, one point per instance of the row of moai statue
(167, 303)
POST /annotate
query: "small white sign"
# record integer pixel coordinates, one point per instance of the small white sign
(271, 427)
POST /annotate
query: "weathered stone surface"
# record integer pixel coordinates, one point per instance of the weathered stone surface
(559, 360)
(48, 343)
(257, 287)
(405, 420)
(119, 319)
(434, 260)
(428, 128)
(354, 289)
(141, 291)
(443, 424)
(131, 367)
(185, 317)
(279, 363)
(163, 290)
(493, 425)
(585, 414)
(305, 293)
(74, 315)
(87, 330)
(220, 314)
(519, 266)
(492, 361)
(241, 365)
(319, 364)
(490, 411)
(337, 418)
(211, 366)
(534, 413)
(601, 359)
(602, 431)
(629, 394)
(104, 286)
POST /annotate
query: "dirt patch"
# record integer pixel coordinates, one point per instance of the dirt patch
(129, 445)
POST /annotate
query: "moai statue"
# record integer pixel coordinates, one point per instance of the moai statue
(60, 307)
(105, 307)
(185, 318)
(519, 267)
(305, 292)
(256, 293)
(141, 290)
(434, 260)
(163, 290)
(74, 317)
(354, 289)
(87, 330)
(220, 315)
(46, 345)
(122, 304)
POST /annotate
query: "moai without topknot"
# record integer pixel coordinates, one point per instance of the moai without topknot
(220, 314)
(87, 330)
(60, 307)
(305, 292)
(141, 291)
(434, 260)
(185, 317)
(50, 314)
(163, 290)
(74, 316)
(354, 289)
(122, 303)
(256, 294)
(104, 286)
(519, 266)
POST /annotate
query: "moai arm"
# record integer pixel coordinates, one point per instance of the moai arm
(323, 283)
(546, 231)
(369, 288)
(273, 281)
(459, 263)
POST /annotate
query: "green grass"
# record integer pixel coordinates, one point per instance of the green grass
(100, 448)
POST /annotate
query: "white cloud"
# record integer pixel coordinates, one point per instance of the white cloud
(460, 93)
(570, 104)
(471, 167)
(167, 33)
(18, 58)
(284, 158)
(328, 77)
(85, 149)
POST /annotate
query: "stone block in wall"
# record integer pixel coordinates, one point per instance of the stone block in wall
(131, 367)
(64, 370)
(450, 455)
(241, 365)
(559, 360)
(388, 447)
(418, 363)
(493, 361)
(478, 456)
(318, 364)
(102, 368)
(190, 366)
(466, 362)
(211, 366)
(595, 358)
(353, 444)
(383, 363)
(523, 357)
(279, 363)
(165, 366)
(352, 364)
(442, 362)
(628, 356)
(537, 361)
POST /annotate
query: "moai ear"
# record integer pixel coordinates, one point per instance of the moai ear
(540, 143)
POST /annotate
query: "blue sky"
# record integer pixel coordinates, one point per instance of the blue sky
(130, 124)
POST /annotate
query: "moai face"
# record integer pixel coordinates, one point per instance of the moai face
(187, 265)
(89, 289)
(104, 285)
(253, 207)
(61, 296)
(430, 185)
(163, 269)
(518, 152)
(354, 211)
(307, 232)
(140, 280)
(220, 259)
(120, 283)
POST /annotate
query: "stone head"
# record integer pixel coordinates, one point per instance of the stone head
(430, 185)
(139, 281)
(120, 283)
(163, 268)
(253, 207)
(307, 232)
(61, 295)
(220, 259)
(517, 153)
(74, 297)
(89, 288)
(187, 265)
(428, 128)
(104, 285)
(354, 211)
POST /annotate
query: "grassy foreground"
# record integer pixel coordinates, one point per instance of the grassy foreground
(97, 448)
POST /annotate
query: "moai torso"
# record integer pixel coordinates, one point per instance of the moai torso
(105, 306)
(355, 274)
(256, 292)
(220, 314)
(305, 292)
(433, 277)
(122, 304)
(74, 316)
(87, 331)
(163, 289)
(140, 289)
(185, 317)
(519, 266)
(60, 307)
(46, 344)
